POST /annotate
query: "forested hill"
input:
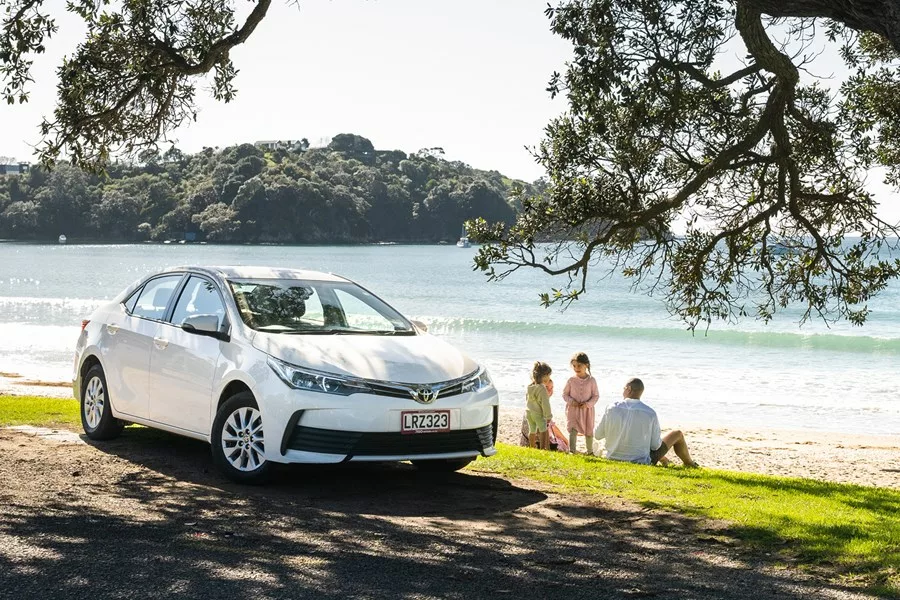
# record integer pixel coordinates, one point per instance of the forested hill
(343, 193)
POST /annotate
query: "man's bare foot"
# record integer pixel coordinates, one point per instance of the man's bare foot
(691, 465)
(664, 462)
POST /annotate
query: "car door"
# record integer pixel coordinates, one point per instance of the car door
(182, 364)
(126, 343)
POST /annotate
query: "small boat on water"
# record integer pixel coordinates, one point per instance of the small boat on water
(463, 240)
(779, 249)
(776, 248)
(62, 239)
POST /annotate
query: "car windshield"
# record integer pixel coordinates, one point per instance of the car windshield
(294, 306)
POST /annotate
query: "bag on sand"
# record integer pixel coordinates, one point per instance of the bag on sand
(557, 440)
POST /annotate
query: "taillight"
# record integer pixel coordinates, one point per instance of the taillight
(84, 323)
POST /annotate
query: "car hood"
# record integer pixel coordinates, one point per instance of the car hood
(402, 359)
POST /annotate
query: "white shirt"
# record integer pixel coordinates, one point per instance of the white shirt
(631, 430)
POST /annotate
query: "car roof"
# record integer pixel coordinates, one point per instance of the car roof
(249, 272)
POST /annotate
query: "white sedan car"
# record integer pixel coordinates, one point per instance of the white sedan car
(280, 366)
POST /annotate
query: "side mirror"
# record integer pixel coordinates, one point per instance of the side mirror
(420, 326)
(207, 325)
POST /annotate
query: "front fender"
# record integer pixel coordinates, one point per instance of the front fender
(82, 355)
(230, 372)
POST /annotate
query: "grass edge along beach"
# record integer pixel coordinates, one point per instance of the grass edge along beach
(847, 533)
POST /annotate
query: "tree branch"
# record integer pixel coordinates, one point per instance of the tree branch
(217, 50)
(878, 16)
(700, 77)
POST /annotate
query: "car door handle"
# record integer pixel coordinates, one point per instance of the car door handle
(112, 329)
(160, 343)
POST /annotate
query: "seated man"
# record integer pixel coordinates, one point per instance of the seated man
(631, 431)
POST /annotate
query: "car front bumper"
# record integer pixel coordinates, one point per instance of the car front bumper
(299, 441)
(317, 428)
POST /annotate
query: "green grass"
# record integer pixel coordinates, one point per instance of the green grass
(852, 531)
(38, 411)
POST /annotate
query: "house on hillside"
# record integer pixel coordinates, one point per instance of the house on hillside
(14, 169)
(295, 145)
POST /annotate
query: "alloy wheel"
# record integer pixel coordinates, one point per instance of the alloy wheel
(243, 443)
(94, 402)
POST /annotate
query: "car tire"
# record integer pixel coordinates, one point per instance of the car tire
(238, 441)
(97, 419)
(442, 466)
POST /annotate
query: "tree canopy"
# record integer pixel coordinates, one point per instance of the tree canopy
(344, 193)
(133, 78)
(761, 162)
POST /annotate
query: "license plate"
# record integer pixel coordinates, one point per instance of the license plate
(424, 421)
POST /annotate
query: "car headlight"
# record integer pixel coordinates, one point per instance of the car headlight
(480, 381)
(316, 381)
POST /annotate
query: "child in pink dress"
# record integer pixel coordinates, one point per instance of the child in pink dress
(580, 395)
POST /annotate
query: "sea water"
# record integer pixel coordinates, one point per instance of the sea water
(776, 375)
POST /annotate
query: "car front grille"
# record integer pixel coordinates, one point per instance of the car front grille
(404, 391)
(358, 443)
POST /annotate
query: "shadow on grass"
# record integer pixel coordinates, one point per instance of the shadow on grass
(151, 514)
(856, 496)
(869, 517)
(852, 530)
(855, 531)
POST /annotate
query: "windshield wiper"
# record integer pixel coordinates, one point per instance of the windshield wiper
(314, 332)
(381, 332)
(347, 332)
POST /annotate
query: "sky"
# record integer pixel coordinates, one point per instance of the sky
(469, 76)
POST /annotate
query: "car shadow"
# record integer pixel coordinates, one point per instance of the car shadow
(380, 489)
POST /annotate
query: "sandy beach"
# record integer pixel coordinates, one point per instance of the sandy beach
(870, 460)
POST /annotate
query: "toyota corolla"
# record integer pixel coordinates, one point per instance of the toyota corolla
(275, 365)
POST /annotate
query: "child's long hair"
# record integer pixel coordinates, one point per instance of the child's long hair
(582, 358)
(539, 371)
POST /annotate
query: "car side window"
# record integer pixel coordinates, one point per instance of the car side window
(132, 301)
(199, 297)
(154, 298)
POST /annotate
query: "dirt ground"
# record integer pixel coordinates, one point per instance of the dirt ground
(147, 516)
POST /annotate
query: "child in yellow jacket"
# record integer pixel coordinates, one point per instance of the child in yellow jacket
(537, 405)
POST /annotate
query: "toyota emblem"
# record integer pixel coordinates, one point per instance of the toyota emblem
(424, 395)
